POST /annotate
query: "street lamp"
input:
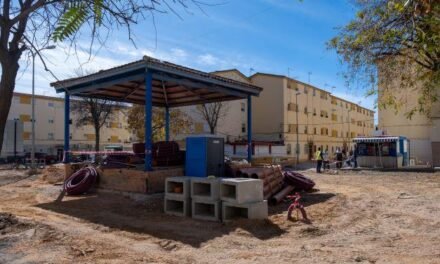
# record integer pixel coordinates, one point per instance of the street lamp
(297, 128)
(33, 101)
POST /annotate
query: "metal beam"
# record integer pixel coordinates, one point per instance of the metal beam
(148, 120)
(196, 84)
(167, 123)
(107, 82)
(249, 127)
(66, 158)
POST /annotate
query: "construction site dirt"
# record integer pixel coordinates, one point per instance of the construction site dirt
(356, 217)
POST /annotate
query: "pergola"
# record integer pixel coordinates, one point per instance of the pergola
(152, 82)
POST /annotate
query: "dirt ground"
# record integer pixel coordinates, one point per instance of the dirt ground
(357, 217)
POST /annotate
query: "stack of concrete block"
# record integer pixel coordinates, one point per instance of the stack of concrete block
(205, 196)
(242, 198)
(177, 199)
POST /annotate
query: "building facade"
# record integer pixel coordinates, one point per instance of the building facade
(324, 120)
(49, 126)
(422, 131)
(232, 125)
(298, 113)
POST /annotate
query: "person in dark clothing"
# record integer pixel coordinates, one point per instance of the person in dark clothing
(319, 158)
(355, 155)
(338, 158)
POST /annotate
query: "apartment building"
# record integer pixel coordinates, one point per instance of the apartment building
(423, 131)
(49, 126)
(291, 111)
(233, 122)
(324, 120)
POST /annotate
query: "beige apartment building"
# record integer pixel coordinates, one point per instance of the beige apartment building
(233, 122)
(49, 126)
(290, 110)
(422, 131)
(324, 120)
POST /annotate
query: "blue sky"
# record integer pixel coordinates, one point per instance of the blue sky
(266, 35)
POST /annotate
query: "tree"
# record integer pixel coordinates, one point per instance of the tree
(212, 113)
(29, 25)
(401, 36)
(180, 122)
(96, 112)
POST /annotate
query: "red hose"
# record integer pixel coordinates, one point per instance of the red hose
(81, 181)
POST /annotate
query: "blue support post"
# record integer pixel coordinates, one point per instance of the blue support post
(167, 124)
(249, 127)
(66, 158)
(148, 120)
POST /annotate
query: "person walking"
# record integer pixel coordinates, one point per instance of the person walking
(318, 158)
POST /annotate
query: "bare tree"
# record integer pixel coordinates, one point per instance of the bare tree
(96, 112)
(29, 25)
(212, 113)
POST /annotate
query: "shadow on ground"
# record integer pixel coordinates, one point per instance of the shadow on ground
(120, 213)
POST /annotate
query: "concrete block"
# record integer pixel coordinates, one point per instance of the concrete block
(241, 190)
(206, 210)
(177, 207)
(207, 189)
(232, 211)
(178, 187)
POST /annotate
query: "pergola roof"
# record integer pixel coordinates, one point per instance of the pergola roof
(173, 85)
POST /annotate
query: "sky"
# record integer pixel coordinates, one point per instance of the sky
(285, 37)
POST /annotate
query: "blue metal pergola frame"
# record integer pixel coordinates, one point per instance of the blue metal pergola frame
(180, 86)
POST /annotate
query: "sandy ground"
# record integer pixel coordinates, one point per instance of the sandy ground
(357, 217)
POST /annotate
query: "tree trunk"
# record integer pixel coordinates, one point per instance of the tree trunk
(212, 130)
(97, 138)
(7, 84)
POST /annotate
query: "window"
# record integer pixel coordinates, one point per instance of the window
(323, 95)
(334, 117)
(314, 111)
(50, 136)
(306, 91)
(50, 121)
(26, 135)
(90, 136)
(305, 130)
(292, 107)
(243, 128)
(314, 92)
(25, 118)
(51, 104)
(305, 110)
(293, 128)
(324, 131)
(314, 130)
(243, 107)
(306, 148)
(25, 99)
(334, 133)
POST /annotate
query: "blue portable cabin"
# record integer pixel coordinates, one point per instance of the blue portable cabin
(382, 151)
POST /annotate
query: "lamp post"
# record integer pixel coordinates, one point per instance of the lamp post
(33, 101)
(297, 128)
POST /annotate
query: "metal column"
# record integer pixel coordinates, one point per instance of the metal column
(66, 127)
(148, 120)
(249, 127)
(167, 124)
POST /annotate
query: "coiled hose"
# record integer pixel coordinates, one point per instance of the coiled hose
(81, 181)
